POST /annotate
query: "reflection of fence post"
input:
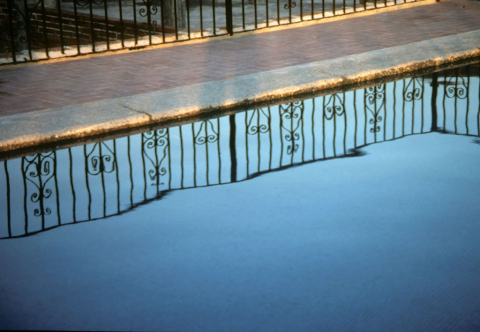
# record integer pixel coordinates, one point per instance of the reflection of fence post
(229, 15)
(22, 25)
(233, 149)
(434, 101)
(175, 14)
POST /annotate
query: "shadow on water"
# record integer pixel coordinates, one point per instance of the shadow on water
(47, 190)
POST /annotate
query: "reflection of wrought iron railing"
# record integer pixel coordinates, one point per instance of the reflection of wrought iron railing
(36, 28)
(47, 190)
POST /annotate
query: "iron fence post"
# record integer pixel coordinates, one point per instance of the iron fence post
(229, 16)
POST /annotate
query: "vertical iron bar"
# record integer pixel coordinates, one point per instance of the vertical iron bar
(290, 14)
(278, 12)
(131, 171)
(266, 15)
(323, 124)
(270, 137)
(107, 30)
(9, 221)
(74, 200)
(25, 196)
(12, 35)
(467, 98)
(181, 157)
(59, 219)
(246, 143)
(219, 153)
(116, 173)
(213, 17)
(135, 28)
(201, 17)
(243, 13)
(27, 27)
(207, 170)
(87, 183)
(421, 98)
(394, 108)
(176, 18)
(120, 12)
(233, 149)
(188, 16)
(356, 120)
(194, 157)
(169, 161)
(149, 21)
(229, 16)
(456, 73)
(92, 27)
(313, 126)
(60, 19)
(313, 9)
(301, 10)
(255, 12)
(259, 143)
(76, 25)
(162, 18)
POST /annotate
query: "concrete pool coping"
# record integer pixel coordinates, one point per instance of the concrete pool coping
(49, 126)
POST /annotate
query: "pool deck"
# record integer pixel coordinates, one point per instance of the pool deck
(55, 101)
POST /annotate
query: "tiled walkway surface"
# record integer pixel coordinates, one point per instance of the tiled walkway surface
(51, 85)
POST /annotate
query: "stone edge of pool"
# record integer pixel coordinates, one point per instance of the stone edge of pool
(96, 118)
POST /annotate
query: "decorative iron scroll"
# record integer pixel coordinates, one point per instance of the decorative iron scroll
(291, 116)
(335, 105)
(413, 89)
(100, 159)
(456, 86)
(39, 170)
(375, 103)
(83, 3)
(26, 29)
(207, 133)
(290, 4)
(258, 127)
(149, 11)
(154, 144)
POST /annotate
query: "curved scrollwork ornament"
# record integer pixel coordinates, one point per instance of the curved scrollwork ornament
(290, 4)
(456, 84)
(26, 30)
(100, 159)
(207, 133)
(375, 103)
(291, 116)
(39, 169)
(83, 3)
(148, 11)
(261, 125)
(155, 144)
(413, 89)
(334, 106)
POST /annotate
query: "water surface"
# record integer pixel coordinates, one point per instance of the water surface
(353, 211)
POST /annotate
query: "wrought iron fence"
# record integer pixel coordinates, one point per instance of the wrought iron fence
(46, 190)
(41, 29)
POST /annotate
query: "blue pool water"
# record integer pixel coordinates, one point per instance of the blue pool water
(354, 211)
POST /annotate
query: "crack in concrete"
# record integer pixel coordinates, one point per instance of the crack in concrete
(137, 111)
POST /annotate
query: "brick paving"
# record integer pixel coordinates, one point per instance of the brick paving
(50, 85)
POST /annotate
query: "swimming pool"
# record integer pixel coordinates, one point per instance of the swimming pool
(351, 211)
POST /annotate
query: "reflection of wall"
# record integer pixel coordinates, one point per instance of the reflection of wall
(90, 182)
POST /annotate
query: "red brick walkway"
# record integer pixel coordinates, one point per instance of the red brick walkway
(50, 85)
